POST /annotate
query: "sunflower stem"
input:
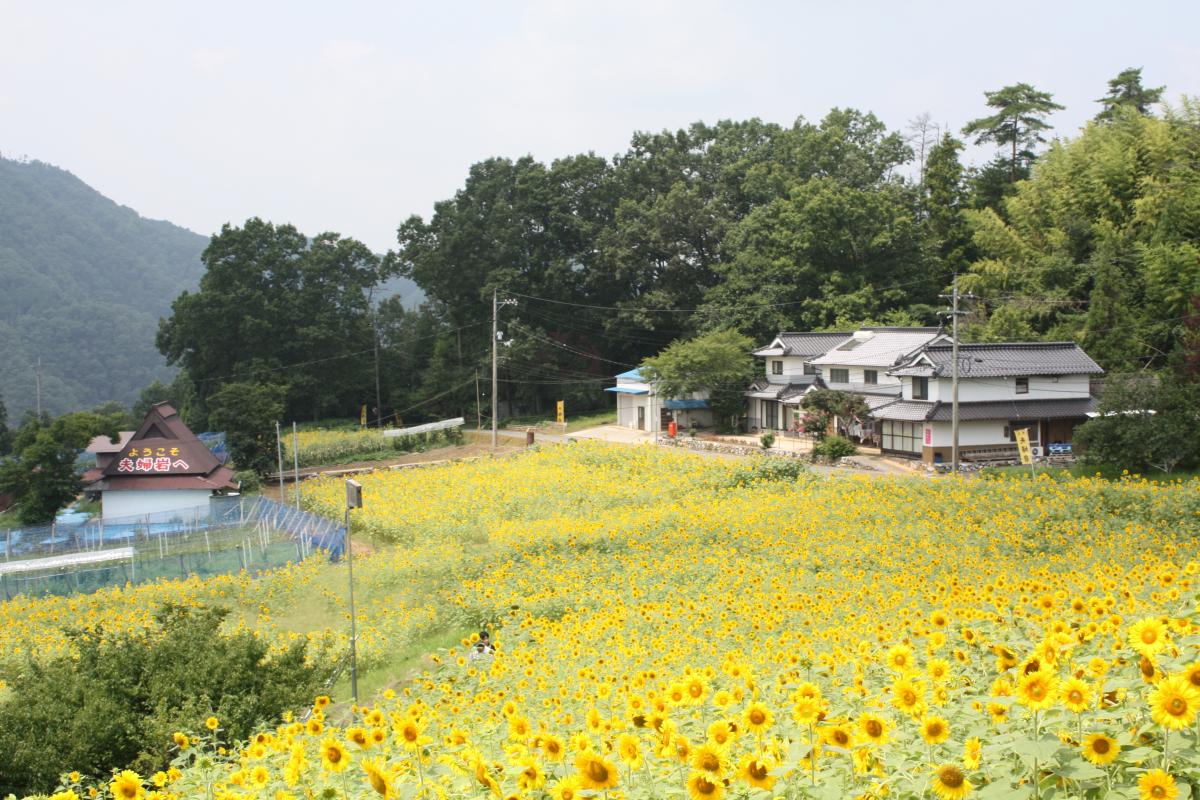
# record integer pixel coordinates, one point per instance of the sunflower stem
(812, 753)
(1166, 749)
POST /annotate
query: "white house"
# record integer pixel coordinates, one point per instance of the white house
(639, 405)
(1042, 386)
(788, 372)
(857, 362)
(162, 467)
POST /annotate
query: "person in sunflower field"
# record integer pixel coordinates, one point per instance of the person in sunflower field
(483, 647)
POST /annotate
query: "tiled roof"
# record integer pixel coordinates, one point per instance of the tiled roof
(996, 360)
(877, 347)
(917, 411)
(763, 389)
(1065, 408)
(810, 344)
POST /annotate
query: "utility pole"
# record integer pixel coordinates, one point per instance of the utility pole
(478, 407)
(279, 452)
(378, 401)
(39, 388)
(495, 325)
(954, 297)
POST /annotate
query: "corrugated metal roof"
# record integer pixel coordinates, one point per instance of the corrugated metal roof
(678, 405)
(627, 390)
(1065, 408)
(632, 375)
(1009, 358)
(877, 347)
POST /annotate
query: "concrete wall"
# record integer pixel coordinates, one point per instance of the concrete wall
(1041, 387)
(138, 502)
(857, 374)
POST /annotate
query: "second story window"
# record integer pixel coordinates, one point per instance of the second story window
(920, 388)
(1022, 385)
(870, 376)
(776, 367)
(809, 369)
(839, 375)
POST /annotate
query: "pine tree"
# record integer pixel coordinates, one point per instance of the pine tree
(1126, 91)
(1020, 118)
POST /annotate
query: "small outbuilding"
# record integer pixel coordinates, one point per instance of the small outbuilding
(640, 407)
(162, 467)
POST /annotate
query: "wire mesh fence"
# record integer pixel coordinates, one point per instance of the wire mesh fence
(228, 535)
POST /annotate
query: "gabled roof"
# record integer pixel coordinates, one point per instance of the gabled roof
(806, 345)
(102, 444)
(164, 454)
(634, 374)
(879, 347)
(1003, 359)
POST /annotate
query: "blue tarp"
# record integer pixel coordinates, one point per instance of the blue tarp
(631, 375)
(681, 405)
(627, 390)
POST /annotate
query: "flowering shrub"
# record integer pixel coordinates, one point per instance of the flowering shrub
(665, 629)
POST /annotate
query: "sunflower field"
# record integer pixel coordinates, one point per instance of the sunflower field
(320, 447)
(673, 626)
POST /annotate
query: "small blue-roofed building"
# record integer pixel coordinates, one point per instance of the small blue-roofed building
(640, 407)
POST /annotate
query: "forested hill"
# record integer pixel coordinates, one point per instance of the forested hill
(84, 283)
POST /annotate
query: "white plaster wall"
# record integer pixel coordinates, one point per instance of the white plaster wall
(793, 368)
(1041, 387)
(138, 502)
(970, 434)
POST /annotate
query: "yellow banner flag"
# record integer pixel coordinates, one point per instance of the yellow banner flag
(362, 416)
(562, 413)
(1022, 437)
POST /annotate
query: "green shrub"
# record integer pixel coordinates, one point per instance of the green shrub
(766, 440)
(120, 700)
(249, 480)
(834, 447)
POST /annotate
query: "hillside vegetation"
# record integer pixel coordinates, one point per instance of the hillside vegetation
(85, 281)
(669, 625)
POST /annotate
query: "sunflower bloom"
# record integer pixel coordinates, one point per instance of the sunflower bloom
(972, 753)
(1157, 785)
(1148, 636)
(127, 785)
(758, 718)
(874, 728)
(1174, 702)
(334, 757)
(934, 730)
(701, 786)
(1100, 749)
(1076, 695)
(378, 778)
(949, 783)
(595, 772)
(756, 771)
(1037, 690)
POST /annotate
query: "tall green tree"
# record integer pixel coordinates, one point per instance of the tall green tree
(275, 306)
(5, 433)
(1126, 91)
(41, 473)
(718, 363)
(945, 233)
(247, 412)
(1020, 118)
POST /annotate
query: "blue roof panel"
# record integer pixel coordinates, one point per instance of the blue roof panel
(632, 375)
(627, 390)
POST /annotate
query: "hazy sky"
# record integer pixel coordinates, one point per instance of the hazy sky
(351, 116)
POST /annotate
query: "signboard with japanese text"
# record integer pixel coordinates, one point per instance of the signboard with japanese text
(1022, 437)
(152, 459)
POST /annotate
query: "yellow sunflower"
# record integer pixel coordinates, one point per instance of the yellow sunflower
(909, 697)
(334, 757)
(1076, 695)
(701, 786)
(629, 750)
(1100, 749)
(1148, 636)
(710, 759)
(935, 730)
(949, 782)
(1174, 702)
(972, 753)
(900, 658)
(127, 785)
(757, 718)
(1157, 785)
(566, 789)
(595, 772)
(874, 728)
(1037, 690)
(756, 771)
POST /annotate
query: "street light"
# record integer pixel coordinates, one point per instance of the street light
(353, 500)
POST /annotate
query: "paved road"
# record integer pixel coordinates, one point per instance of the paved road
(874, 466)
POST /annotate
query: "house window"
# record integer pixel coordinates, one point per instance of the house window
(839, 375)
(809, 369)
(1032, 427)
(901, 437)
(870, 376)
(776, 367)
(920, 388)
(1022, 385)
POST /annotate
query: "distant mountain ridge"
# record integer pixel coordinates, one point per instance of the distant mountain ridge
(83, 282)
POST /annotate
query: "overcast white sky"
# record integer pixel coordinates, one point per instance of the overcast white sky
(351, 116)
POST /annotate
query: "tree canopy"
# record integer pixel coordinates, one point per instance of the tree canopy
(718, 363)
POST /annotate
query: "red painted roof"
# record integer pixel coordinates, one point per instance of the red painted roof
(164, 454)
